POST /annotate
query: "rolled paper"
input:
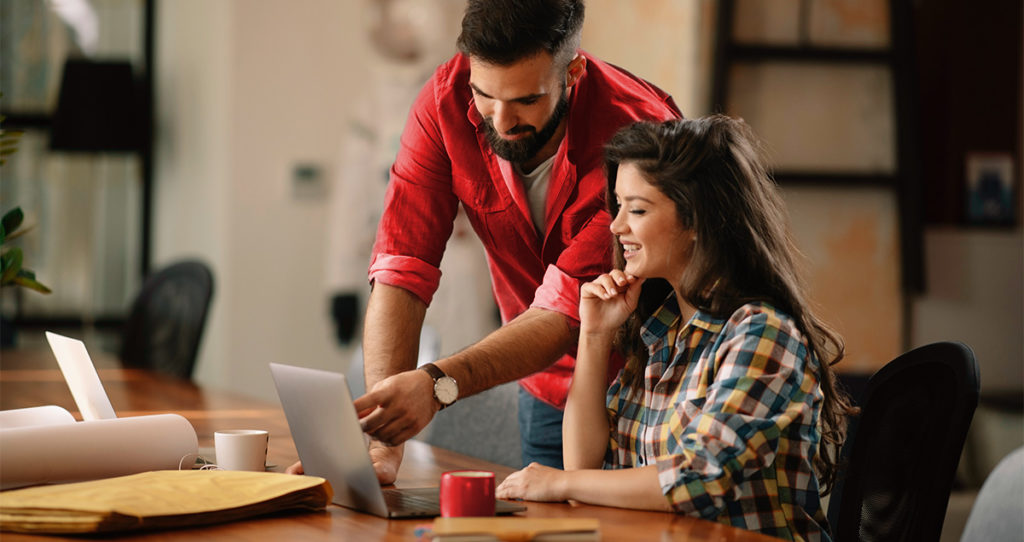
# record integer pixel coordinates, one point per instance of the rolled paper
(89, 450)
(42, 415)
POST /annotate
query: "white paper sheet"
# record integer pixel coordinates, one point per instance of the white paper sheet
(95, 449)
(34, 416)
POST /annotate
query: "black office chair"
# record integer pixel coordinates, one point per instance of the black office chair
(167, 319)
(901, 453)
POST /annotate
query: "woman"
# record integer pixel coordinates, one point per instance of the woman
(726, 408)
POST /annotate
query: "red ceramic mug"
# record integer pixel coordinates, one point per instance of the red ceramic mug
(467, 493)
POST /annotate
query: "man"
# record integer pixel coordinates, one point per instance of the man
(511, 128)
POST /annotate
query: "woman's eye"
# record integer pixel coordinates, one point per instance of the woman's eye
(637, 211)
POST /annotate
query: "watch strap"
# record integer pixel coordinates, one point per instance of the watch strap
(434, 371)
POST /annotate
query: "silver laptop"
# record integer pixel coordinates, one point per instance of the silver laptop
(331, 445)
(80, 374)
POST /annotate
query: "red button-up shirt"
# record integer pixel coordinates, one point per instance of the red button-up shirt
(445, 159)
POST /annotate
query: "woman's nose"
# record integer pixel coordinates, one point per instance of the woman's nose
(618, 225)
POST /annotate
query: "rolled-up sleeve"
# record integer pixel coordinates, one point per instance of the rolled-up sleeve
(419, 208)
(412, 274)
(560, 293)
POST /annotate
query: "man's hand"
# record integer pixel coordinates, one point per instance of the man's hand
(386, 460)
(398, 407)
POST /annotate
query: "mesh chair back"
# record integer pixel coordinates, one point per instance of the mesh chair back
(902, 452)
(167, 319)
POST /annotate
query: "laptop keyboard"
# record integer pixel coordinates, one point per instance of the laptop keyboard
(425, 499)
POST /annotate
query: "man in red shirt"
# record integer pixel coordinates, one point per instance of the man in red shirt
(513, 129)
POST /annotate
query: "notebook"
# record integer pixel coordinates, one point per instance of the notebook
(331, 445)
(80, 374)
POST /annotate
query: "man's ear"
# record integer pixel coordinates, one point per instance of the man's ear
(577, 66)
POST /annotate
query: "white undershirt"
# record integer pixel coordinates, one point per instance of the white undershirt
(536, 185)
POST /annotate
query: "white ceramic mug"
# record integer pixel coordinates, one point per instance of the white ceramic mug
(241, 449)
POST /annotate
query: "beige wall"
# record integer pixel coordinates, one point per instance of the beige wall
(976, 296)
(666, 42)
(246, 90)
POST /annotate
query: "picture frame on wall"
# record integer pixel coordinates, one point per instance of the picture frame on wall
(990, 189)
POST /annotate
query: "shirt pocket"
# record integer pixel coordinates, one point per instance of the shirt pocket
(478, 194)
(491, 213)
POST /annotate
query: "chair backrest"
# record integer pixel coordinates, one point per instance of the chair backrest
(901, 453)
(167, 319)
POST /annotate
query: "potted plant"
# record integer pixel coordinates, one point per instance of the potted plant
(11, 270)
(12, 273)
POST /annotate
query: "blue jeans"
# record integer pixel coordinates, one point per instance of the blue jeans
(540, 427)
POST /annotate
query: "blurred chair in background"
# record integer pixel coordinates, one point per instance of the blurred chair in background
(484, 425)
(167, 319)
(901, 453)
(998, 512)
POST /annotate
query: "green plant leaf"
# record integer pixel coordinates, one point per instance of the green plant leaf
(27, 279)
(12, 219)
(11, 264)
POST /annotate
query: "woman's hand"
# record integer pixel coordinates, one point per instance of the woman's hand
(607, 301)
(636, 488)
(534, 483)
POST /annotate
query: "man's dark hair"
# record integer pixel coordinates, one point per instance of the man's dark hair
(503, 32)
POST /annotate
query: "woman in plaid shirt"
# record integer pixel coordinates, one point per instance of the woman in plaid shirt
(726, 408)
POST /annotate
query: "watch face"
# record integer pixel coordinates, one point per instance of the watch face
(446, 390)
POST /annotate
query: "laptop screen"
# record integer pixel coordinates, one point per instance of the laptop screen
(80, 374)
(327, 435)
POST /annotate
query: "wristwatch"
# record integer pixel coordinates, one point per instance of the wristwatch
(446, 390)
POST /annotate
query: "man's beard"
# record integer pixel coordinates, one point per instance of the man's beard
(525, 148)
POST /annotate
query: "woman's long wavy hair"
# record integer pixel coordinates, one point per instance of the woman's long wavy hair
(713, 169)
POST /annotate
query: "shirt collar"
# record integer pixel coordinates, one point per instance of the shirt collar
(657, 326)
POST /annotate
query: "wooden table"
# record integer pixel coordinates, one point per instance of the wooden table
(31, 378)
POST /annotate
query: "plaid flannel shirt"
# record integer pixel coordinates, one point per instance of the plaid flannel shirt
(731, 422)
